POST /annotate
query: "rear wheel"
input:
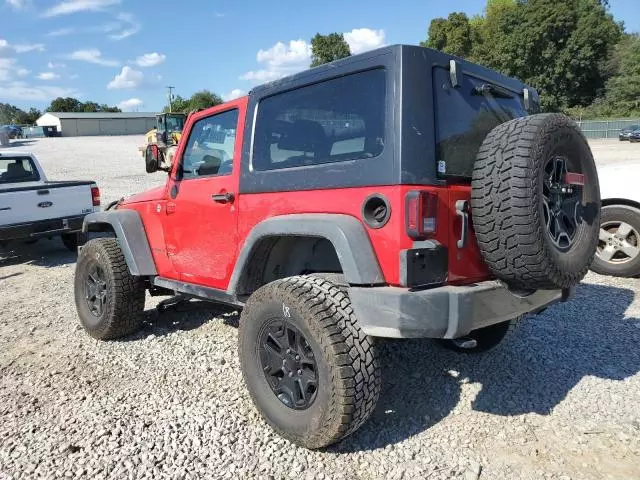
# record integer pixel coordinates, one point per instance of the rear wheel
(109, 300)
(311, 371)
(618, 251)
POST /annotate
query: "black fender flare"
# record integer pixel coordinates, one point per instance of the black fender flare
(129, 230)
(347, 235)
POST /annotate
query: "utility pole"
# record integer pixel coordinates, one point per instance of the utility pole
(170, 88)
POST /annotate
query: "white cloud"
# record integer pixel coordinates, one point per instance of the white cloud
(280, 60)
(150, 59)
(18, 4)
(127, 78)
(9, 68)
(48, 76)
(92, 55)
(219, 14)
(126, 26)
(130, 105)
(61, 32)
(75, 6)
(298, 51)
(23, 48)
(36, 93)
(364, 39)
(285, 59)
(52, 65)
(235, 93)
(6, 48)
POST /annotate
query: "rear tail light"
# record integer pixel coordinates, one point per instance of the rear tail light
(95, 196)
(421, 214)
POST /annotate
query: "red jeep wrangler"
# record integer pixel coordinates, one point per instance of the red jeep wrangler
(398, 193)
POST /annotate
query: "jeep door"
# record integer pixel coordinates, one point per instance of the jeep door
(201, 215)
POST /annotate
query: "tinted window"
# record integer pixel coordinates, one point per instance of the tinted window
(210, 147)
(464, 117)
(333, 121)
(17, 169)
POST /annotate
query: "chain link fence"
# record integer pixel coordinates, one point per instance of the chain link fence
(605, 128)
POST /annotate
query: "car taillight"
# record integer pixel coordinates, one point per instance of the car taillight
(421, 214)
(95, 196)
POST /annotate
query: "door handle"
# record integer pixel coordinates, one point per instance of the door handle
(226, 197)
(462, 210)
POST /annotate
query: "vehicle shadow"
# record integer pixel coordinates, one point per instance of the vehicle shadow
(44, 253)
(532, 371)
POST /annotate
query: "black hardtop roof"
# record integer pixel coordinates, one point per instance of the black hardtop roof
(349, 64)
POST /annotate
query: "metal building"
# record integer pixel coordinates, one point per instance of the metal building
(70, 124)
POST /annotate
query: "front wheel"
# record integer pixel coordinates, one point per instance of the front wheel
(618, 251)
(109, 300)
(310, 370)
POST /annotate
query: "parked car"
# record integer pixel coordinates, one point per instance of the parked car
(625, 133)
(31, 207)
(14, 131)
(397, 193)
(618, 251)
(634, 137)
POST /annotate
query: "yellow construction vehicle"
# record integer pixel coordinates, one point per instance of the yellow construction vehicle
(165, 136)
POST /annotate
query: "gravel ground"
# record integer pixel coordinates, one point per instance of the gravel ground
(559, 398)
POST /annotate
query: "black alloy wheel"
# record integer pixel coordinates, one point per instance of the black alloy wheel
(95, 290)
(561, 203)
(288, 363)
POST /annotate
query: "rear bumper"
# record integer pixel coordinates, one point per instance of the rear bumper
(42, 228)
(443, 312)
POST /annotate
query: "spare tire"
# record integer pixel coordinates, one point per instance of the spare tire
(537, 227)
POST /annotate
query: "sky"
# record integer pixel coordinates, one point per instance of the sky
(126, 52)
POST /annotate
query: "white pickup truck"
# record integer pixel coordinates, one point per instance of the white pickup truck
(31, 207)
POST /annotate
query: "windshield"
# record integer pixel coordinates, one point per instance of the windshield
(17, 169)
(465, 116)
(175, 123)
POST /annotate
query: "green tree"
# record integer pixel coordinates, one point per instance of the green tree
(74, 105)
(65, 105)
(624, 87)
(327, 48)
(452, 35)
(9, 114)
(560, 48)
(204, 99)
(198, 101)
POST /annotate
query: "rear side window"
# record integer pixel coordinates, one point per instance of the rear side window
(334, 121)
(465, 116)
(17, 169)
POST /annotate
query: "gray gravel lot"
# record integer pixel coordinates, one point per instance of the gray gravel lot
(559, 398)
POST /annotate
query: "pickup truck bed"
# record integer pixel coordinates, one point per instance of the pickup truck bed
(32, 207)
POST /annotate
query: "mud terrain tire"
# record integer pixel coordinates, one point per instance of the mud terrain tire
(533, 234)
(346, 367)
(102, 274)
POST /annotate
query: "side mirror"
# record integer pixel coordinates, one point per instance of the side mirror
(152, 158)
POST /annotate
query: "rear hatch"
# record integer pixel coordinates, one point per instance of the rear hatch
(464, 114)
